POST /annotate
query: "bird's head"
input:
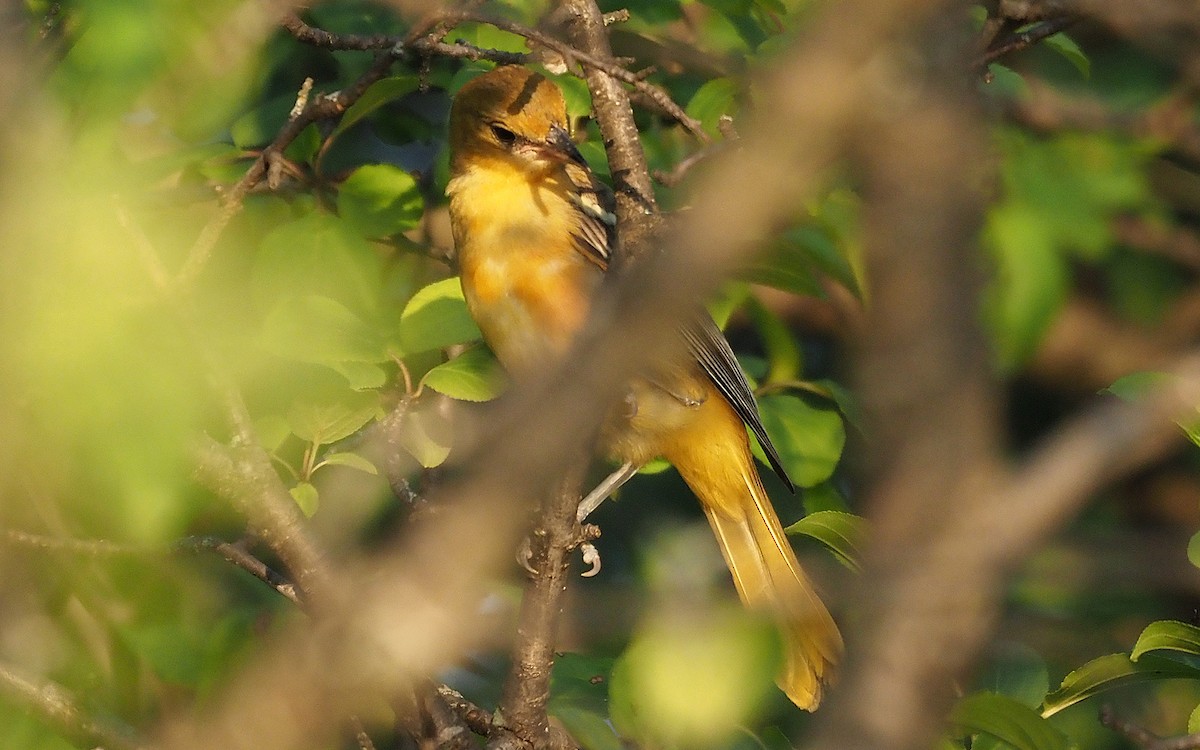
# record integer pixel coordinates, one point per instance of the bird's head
(511, 113)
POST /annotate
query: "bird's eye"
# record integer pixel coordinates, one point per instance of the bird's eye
(504, 135)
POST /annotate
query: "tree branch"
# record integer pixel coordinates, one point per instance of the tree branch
(1019, 40)
(58, 707)
(554, 536)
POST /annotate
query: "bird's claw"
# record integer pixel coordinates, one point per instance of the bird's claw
(591, 556)
(524, 555)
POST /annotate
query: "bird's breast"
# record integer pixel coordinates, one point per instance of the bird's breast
(526, 285)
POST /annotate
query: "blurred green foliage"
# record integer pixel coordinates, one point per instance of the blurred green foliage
(329, 300)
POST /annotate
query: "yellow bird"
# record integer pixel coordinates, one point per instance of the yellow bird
(534, 235)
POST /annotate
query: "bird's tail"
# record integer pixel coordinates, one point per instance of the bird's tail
(767, 575)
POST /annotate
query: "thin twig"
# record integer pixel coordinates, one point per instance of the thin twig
(234, 554)
(436, 26)
(685, 165)
(1144, 738)
(1023, 39)
(57, 706)
(324, 107)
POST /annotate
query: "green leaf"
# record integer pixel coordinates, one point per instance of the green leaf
(259, 126)
(1193, 549)
(823, 496)
(842, 533)
(1066, 46)
(783, 354)
(318, 254)
(380, 200)
(1193, 725)
(1136, 385)
(691, 679)
(729, 298)
(351, 460)
(377, 94)
(715, 98)
(361, 376)
(1007, 720)
(1176, 638)
(474, 375)
(436, 317)
(785, 265)
(655, 466)
(1006, 82)
(1111, 671)
(809, 439)
(844, 398)
(329, 420)
(590, 728)
(425, 436)
(1031, 283)
(317, 329)
(272, 430)
(306, 496)
(1018, 672)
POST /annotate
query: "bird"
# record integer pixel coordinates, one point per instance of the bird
(534, 234)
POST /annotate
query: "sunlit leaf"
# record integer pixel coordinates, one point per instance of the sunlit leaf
(1031, 281)
(426, 437)
(320, 330)
(691, 680)
(321, 255)
(715, 98)
(380, 200)
(1111, 671)
(473, 375)
(824, 496)
(590, 728)
(1066, 46)
(272, 430)
(436, 317)
(1005, 82)
(1177, 640)
(1193, 725)
(350, 460)
(378, 94)
(326, 421)
(306, 497)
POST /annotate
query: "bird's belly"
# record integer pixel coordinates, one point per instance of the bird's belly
(528, 309)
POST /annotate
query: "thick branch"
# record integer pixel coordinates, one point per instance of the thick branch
(627, 159)
(555, 535)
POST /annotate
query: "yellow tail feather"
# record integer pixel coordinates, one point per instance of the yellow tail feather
(720, 471)
(768, 577)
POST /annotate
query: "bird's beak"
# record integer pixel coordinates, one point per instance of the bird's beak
(559, 140)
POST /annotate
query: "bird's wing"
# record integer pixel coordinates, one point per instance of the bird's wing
(596, 240)
(711, 350)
